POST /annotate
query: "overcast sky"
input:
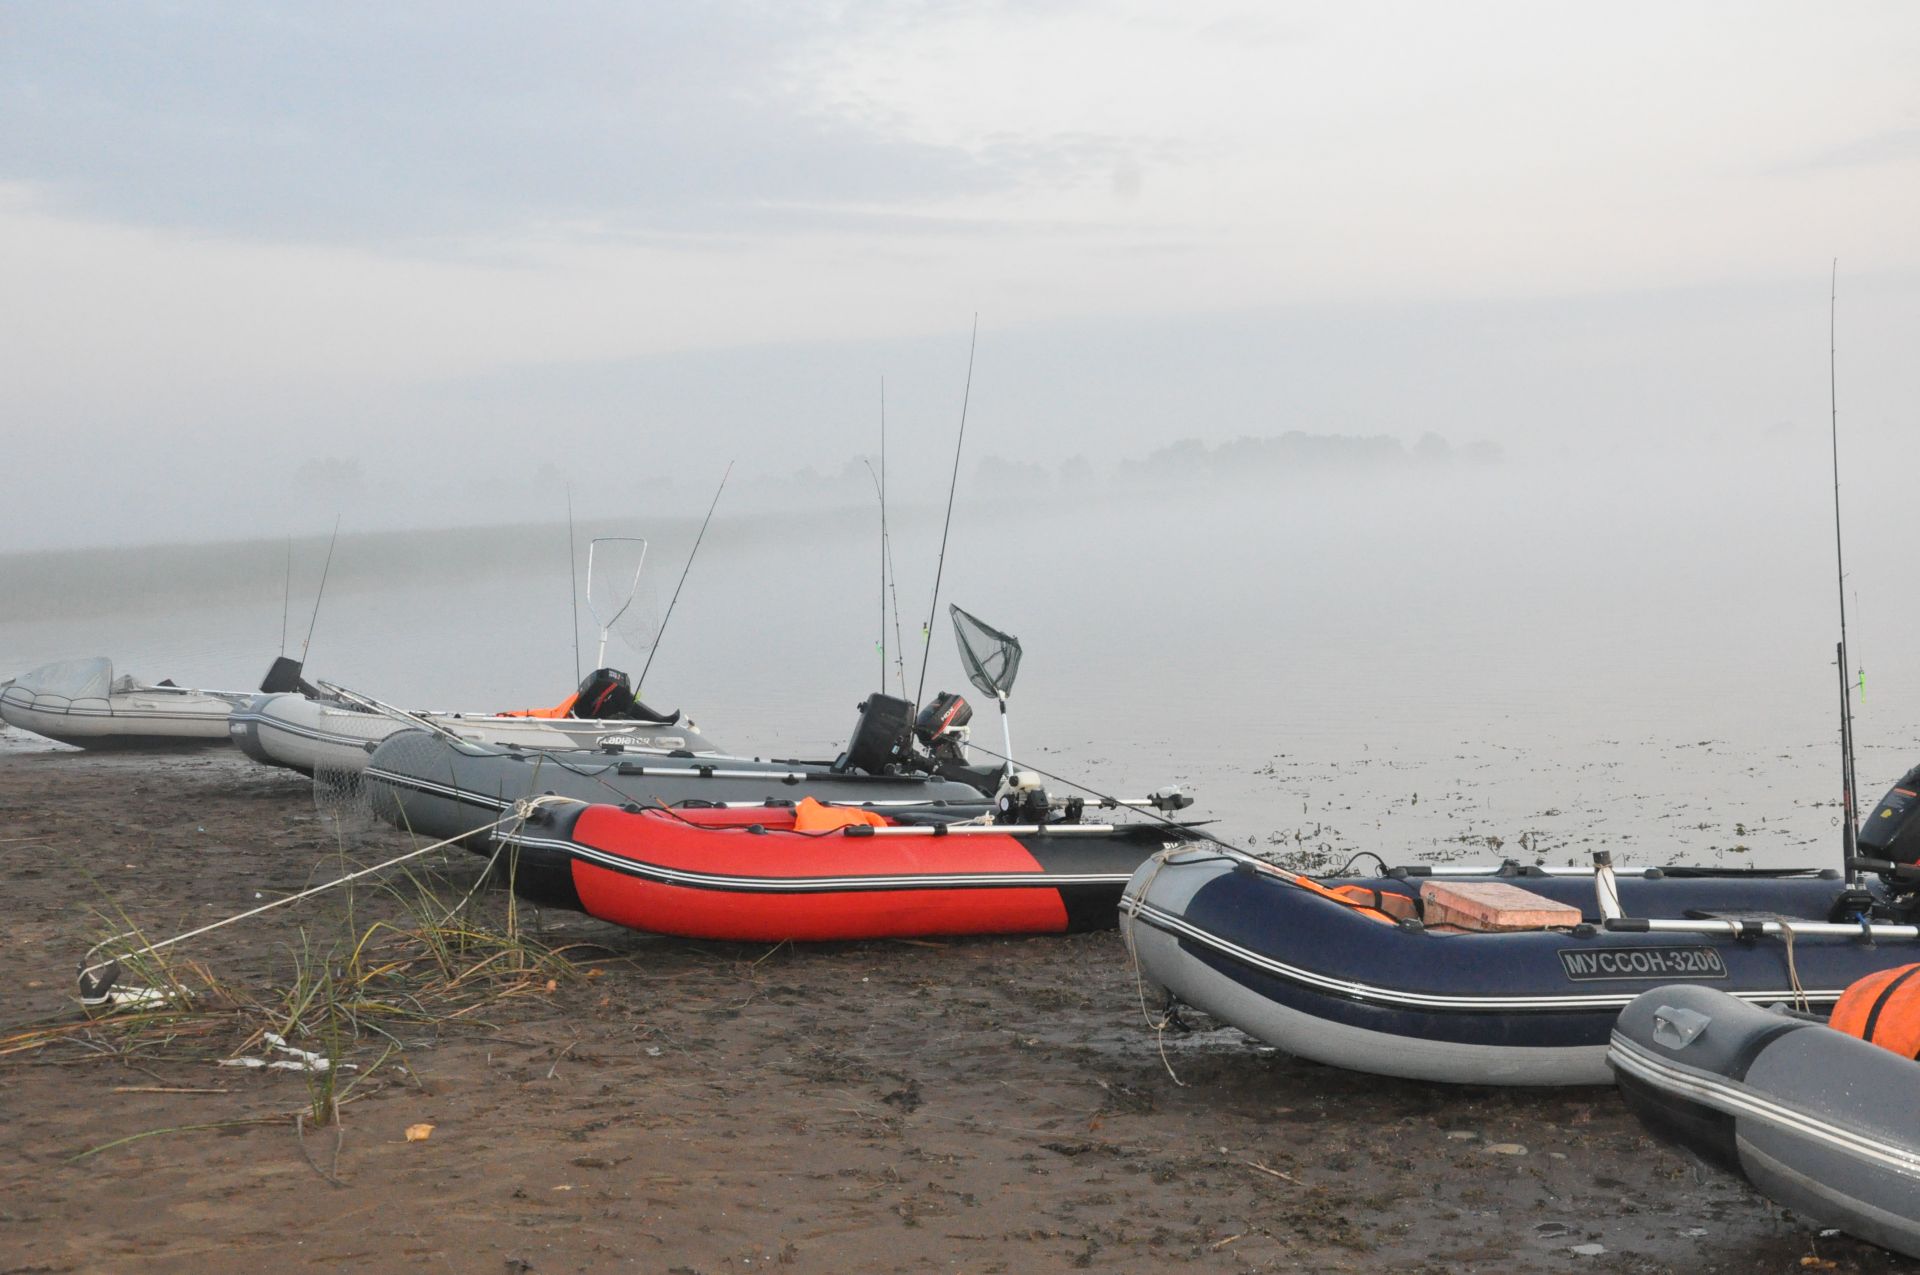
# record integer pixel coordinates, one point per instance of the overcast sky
(450, 243)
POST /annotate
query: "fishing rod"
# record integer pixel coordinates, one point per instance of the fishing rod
(573, 583)
(880, 489)
(372, 705)
(891, 571)
(691, 554)
(1151, 806)
(926, 630)
(888, 574)
(1194, 832)
(286, 598)
(1849, 837)
(321, 592)
(881, 492)
(899, 644)
(889, 581)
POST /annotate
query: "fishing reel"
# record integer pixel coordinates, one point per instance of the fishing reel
(1021, 800)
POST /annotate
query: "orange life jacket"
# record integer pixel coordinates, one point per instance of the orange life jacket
(562, 709)
(1883, 1008)
(811, 816)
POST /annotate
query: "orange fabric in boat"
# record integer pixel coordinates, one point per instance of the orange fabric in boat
(1367, 902)
(811, 816)
(561, 709)
(742, 885)
(1380, 905)
(1884, 1009)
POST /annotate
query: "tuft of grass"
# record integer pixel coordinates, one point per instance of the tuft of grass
(423, 966)
(387, 971)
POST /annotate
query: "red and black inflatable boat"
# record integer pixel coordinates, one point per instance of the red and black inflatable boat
(768, 873)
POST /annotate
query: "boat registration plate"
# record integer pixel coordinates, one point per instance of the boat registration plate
(1584, 965)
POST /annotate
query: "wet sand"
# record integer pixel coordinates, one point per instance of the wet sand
(982, 1105)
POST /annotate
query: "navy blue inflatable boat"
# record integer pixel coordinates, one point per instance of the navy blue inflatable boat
(1356, 973)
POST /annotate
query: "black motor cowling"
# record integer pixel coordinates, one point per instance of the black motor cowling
(947, 712)
(603, 694)
(882, 740)
(284, 677)
(941, 728)
(1892, 831)
(606, 692)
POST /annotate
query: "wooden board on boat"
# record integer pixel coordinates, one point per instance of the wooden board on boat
(1492, 907)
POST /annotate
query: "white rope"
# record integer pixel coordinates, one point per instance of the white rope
(1793, 972)
(1157, 1025)
(521, 809)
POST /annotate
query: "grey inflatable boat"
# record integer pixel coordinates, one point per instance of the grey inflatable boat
(1817, 1120)
(440, 786)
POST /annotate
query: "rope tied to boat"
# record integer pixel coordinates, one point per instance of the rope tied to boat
(97, 979)
(1800, 1001)
(1158, 1026)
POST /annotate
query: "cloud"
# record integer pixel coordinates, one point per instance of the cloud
(395, 122)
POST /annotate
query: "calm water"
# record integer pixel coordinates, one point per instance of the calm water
(1432, 666)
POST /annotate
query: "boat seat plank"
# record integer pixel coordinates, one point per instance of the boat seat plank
(1491, 907)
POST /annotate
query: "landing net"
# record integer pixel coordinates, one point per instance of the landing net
(991, 658)
(620, 598)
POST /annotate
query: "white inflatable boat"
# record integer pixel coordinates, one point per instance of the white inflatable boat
(308, 733)
(81, 702)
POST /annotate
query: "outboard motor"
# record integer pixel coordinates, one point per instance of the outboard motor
(941, 728)
(606, 692)
(284, 678)
(1891, 831)
(882, 741)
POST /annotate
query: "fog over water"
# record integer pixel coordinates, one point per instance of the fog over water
(422, 266)
(1457, 659)
(1405, 425)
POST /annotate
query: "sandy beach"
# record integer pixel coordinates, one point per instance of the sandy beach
(661, 1105)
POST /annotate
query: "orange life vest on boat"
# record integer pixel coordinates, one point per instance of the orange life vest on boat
(562, 709)
(1883, 1009)
(811, 816)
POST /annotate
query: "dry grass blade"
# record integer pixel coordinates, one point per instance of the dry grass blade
(1257, 1167)
(162, 1089)
(178, 1128)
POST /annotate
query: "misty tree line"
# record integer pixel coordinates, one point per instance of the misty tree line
(1299, 450)
(1267, 458)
